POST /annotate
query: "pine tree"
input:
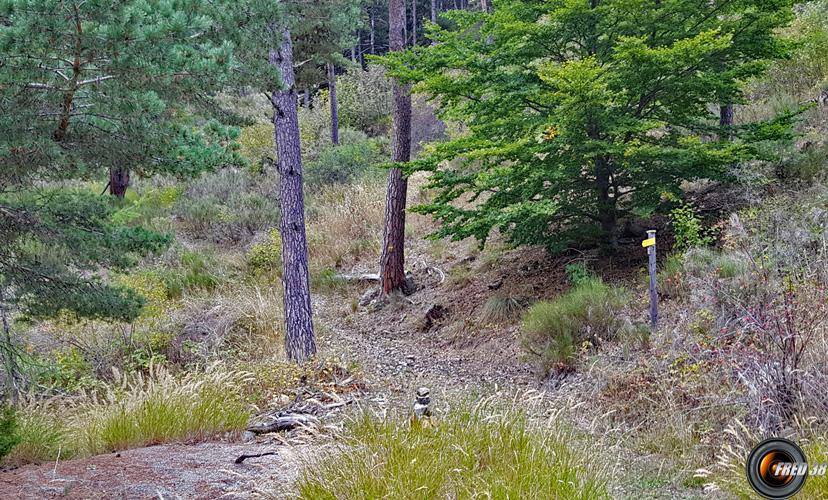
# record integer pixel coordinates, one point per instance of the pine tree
(99, 85)
(392, 260)
(268, 38)
(581, 114)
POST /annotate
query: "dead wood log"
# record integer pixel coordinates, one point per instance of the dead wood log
(284, 422)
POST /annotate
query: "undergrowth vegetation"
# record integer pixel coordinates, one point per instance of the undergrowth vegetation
(136, 410)
(586, 316)
(472, 452)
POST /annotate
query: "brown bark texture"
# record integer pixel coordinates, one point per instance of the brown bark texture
(334, 111)
(392, 261)
(118, 181)
(300, 343)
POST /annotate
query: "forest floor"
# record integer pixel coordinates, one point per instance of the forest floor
(430, 338)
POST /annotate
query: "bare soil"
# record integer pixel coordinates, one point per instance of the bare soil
(205, 470)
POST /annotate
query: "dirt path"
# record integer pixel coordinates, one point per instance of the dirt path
(397, 349)
(203, 470)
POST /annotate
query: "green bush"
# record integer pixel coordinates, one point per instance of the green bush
(8, 430)
(587, 313)
(229, 206)
(265, 257)
(345, 163)
(809, 165)
(578, 274)
(688, 229)
(366, 100)
(477, 453)
(192, 270)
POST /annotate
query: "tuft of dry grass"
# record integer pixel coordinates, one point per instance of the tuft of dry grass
(343, 222)
(501, 308)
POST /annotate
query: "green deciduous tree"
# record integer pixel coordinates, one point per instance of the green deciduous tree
(580, 113)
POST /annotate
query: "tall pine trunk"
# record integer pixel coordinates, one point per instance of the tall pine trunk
(413, 23)
(726, 115)
(300, 343)
(334, 112)
(372, 35)
(118, 181)
(433, 11)
(392, 261)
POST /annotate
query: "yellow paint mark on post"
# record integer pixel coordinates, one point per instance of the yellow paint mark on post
(648, 242)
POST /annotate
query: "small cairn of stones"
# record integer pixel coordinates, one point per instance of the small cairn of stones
(422, 408)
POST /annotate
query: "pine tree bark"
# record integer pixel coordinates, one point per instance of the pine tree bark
(300, 343)
(433, 11)
(373, 29)
(392, 261)
(118, 181)
(413, 23)
(726, 115)
(334, 111)
(486, 5)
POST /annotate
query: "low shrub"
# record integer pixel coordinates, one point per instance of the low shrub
(265, 257)
(355, 157)
(688, 229)
(589, 312)
(8, 430)
(470, 453)
(229, 206)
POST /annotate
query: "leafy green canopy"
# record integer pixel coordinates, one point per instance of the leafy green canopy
(576, 114)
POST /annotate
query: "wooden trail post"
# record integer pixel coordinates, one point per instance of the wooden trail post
(650, 245)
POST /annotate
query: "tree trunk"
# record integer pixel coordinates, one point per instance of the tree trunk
(606, 202)
(372, 39)
(486, 5)
(118, 181)
(433, 11)
(334, 112)
(726, 115)
(300, 343)
(413, 23)
(392, 261)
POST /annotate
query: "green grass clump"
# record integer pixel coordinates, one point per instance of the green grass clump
(138, 411)
(41, 436)
(553, 331)
(162, 408)
(468, 454)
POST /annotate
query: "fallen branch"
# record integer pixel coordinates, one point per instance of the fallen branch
(285, 423)
(255, 455)
(359, 277)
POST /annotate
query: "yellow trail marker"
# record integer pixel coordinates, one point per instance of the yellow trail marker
(648, 242)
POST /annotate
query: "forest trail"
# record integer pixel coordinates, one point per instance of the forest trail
(395, 354)
(205, 470)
